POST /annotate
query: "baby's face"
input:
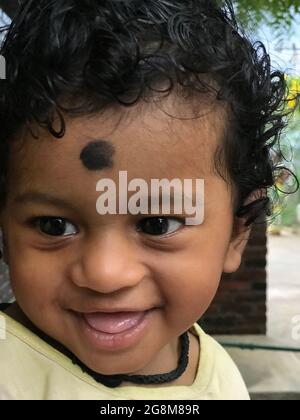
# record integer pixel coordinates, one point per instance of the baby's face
(63, 271)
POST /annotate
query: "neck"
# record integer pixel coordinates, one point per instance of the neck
(171, 363)
(165, 361)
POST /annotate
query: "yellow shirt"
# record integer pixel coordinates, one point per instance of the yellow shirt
(31, 369)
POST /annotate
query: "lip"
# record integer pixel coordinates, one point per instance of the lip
(112, 310)
(115, 341)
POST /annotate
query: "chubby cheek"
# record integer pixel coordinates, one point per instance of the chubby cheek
(36, 285)
(189, 281)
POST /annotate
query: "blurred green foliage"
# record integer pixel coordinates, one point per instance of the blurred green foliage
(280, 14)
(292, 139)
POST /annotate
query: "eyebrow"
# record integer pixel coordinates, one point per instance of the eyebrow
(41, 197)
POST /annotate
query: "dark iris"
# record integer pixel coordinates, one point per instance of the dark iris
(52, 226)
(155, 226)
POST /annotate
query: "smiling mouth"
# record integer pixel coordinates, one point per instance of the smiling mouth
(114, 331)
(113, 322)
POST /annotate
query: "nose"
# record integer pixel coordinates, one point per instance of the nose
(109, 263)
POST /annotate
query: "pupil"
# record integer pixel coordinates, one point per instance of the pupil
(54, 227)
(156, 226)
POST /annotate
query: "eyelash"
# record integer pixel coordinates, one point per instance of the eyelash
(167, 219)
(34, 221)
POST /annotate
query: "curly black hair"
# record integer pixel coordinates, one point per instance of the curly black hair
(116, 53)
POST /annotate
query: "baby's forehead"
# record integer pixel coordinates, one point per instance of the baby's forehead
(151, 143)
(93, 149)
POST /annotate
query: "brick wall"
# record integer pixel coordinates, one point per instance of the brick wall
(240, 304)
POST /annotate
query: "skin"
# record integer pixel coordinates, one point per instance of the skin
(108, 262)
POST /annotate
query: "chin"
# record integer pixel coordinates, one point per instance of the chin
(113, 365)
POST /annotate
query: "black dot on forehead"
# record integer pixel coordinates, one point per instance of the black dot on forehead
(97, 155)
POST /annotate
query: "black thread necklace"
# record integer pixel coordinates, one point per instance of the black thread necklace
(113, 381)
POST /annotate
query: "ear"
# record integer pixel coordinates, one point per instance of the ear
(240, 235)
(238, 243)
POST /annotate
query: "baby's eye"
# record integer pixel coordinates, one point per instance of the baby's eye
(55, 226)
(160, 225)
